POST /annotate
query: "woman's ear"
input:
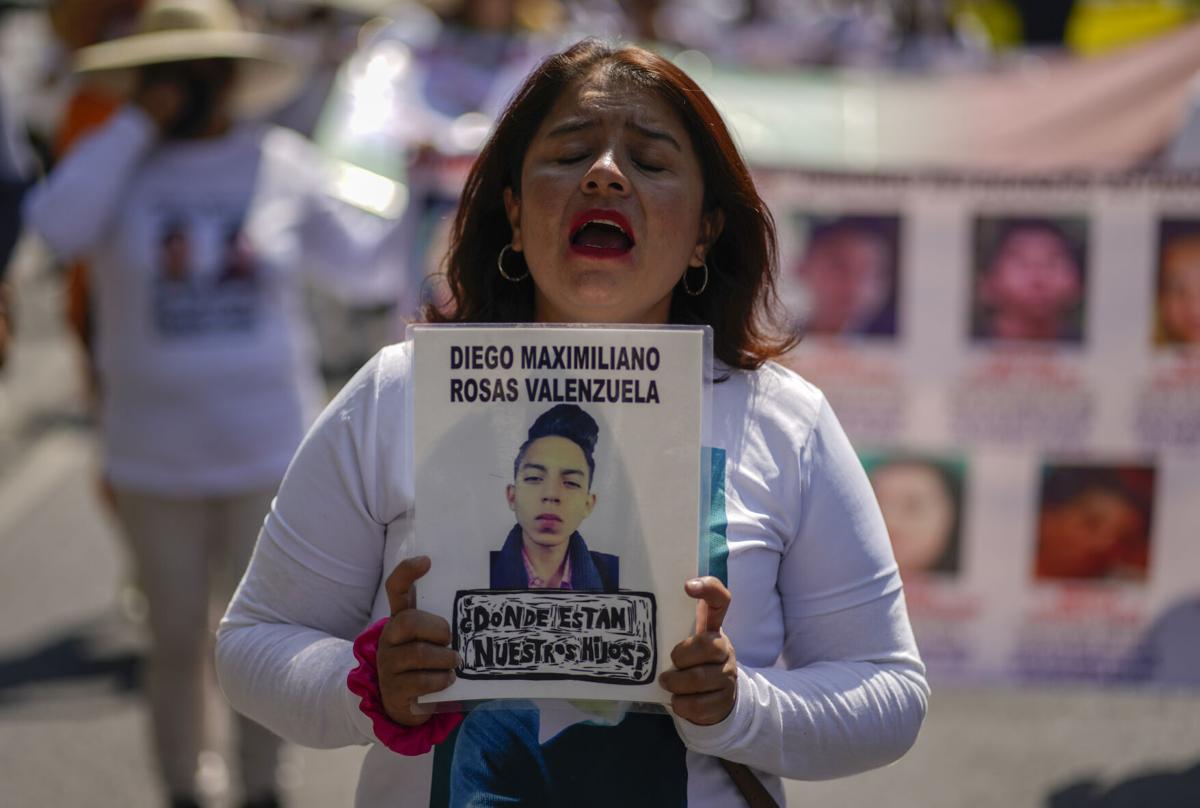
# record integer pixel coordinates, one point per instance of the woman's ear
(712, 223)
(512, 209)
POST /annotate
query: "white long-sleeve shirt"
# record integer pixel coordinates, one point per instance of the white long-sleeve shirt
(829, 683)
(197, 251)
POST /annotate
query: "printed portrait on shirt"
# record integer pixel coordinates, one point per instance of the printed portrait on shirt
(840, 274)
(205, 275)
(1094, 522)
(551, 494)
(1029, 279)
(921, 498)
(175, 251)
(239, 265)
(1177, 284)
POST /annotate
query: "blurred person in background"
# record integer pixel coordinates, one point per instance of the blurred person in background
(323, 34)
(78, 24)
(198, 227)
(1030, 285)
(468, 64)
(427, 96)
(921, 501)
(1178, 298)
(15, 171)
(17, 167)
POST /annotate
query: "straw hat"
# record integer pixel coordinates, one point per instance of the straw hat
(361, 8)
(186, 30)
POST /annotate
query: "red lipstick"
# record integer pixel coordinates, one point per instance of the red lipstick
(610, 236)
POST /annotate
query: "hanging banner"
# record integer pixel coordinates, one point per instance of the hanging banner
(558, 489)
(1104, 113)
(1019, 364)
(1043, 113)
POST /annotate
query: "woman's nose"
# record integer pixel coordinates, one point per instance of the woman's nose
(605, 175)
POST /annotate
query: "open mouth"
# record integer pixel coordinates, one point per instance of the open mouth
(603, 233)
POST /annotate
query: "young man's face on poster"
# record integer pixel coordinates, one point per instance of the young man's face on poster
(1034, 274)
(550, 494)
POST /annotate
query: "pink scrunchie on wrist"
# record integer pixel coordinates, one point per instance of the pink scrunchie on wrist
(363, 682)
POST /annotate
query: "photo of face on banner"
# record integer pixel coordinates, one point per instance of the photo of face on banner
(843, 276)
(1094, 522)
(1030, 279)
(551, 495)
(1177, 290)
(922, 502)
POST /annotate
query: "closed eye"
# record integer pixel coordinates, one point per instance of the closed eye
(571, 159)
(649, 168)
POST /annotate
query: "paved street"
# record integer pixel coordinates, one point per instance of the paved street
(71, 719)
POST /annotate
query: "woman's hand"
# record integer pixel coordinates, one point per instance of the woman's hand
(414, 657)
(703, 682)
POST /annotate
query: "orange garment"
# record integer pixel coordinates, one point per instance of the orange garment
(88, 108)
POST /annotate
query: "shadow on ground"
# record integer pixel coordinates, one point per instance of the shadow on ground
(97, 660)
(1154, 789)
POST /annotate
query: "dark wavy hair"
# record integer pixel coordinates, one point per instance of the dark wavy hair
(568, 421)
(739, 302)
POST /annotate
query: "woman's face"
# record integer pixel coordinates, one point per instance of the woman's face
(918, 511)
(1179, 297)
(610, 209)
(550, 494)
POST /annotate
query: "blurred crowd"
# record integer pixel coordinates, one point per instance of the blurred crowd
(448, 66)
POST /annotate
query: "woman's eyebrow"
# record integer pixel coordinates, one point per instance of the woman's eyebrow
(654, 134)
(572, 126)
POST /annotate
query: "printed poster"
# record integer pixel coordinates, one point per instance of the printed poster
(558, 490)
(1018, 363)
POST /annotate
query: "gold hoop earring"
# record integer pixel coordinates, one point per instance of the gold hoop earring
(500, 266)
(687, 288)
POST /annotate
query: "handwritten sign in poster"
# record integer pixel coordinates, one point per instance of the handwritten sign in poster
(558, 496)
(556, 634)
